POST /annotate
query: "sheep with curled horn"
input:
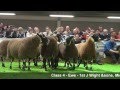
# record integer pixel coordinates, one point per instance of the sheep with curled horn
(3, 50)
(23, 48)
(87, 52)
(68, 51)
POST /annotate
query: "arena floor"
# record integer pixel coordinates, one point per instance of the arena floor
(39, 73)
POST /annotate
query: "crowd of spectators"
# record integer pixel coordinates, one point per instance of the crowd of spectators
(110, 35)
(10, 31)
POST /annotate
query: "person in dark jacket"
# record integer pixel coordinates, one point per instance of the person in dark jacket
(14, 33)
(105, 35)
(95, 36)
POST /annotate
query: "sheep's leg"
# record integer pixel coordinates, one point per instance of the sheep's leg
(35, 62)
(49, 62)
(56, 62)
(91, 62)
(19, 64)
(3, 65)
(24, 65)
(52, 62)
(73, 64)
(70, 63)
(11, 63)
(65, 63)
(86, 65)
(44, 64)
(29, 65)
(79, 62)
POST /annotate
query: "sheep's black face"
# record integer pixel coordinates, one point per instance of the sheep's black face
(59, 37)
(44, 39)
(69, 40)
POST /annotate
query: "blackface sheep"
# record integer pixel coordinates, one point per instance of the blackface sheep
(68, 51)
(49, 51)
(3, 50)
(24, 48)
(87, 52)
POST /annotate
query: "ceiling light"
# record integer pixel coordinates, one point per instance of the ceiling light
(113, 17)
(7, 14)
(68, 16)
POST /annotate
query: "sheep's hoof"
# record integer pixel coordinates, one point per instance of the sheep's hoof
(86, 67)
(25, 66)
(29, 69)
(46, 70)
(23, 69)
(19, 67)
(55, 68)
(91, 69)
(10, 67)
(35, 64)
(70, 68)
(64, 65)
(3, 65)
(42, 66)
(73, 68)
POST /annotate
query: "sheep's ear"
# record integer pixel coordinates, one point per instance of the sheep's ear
(71, 37)
(43, 35)
(39, 35)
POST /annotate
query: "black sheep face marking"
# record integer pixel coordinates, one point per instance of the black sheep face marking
(45, 41)
(69, 40)
(59, 37)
